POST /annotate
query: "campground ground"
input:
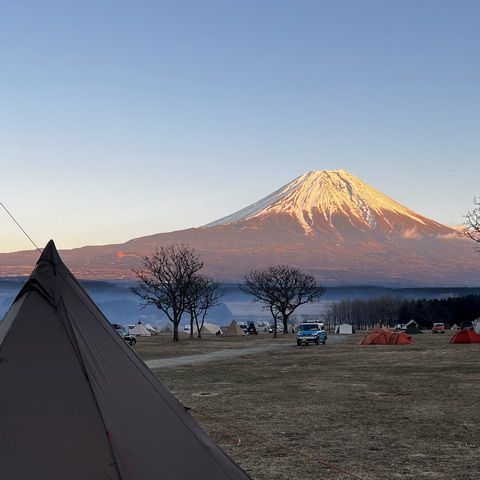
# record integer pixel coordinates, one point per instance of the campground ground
(324, 412)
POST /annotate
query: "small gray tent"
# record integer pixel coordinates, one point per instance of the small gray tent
(344, 329)
(73, 394)
(234, 330)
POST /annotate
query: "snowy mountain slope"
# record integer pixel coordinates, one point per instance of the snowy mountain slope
(316, 199)
(328, 223)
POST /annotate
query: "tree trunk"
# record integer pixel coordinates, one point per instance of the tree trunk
(191, 326)
(285, 322)
(175, 331)
(274, 322)
(199, 328)
(201, 325)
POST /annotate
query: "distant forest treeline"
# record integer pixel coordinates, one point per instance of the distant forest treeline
(390, 311)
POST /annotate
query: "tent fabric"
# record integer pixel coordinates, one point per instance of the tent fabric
(344, 329)
(386, 337)
(153, 330)
(469, 335)
(234, 330)
(210, 329)
(75, 396)
(412, 329)
(140, 330)
(476, 325)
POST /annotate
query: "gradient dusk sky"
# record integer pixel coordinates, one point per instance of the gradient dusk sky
(126, 118)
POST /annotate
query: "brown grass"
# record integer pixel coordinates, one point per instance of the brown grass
(377, 412)
(162, 346)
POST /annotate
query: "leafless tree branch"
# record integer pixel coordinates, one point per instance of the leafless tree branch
(166, 280)
(282, 289)
(472, 224)
(204, 294)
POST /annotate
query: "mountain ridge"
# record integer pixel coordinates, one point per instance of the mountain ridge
(329, 223)
(327, 193)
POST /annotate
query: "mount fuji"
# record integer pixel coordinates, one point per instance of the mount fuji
(337, 203)
(328, 223)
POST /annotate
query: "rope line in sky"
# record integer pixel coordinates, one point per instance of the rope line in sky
(19, 226)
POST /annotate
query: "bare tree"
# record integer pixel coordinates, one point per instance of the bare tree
(472, 223)
(282, 289)
(204, 294)
(166, 280)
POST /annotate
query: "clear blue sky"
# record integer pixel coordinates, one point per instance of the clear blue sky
(120, 119)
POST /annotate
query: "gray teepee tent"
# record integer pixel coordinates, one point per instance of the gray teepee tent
(234, 330)
(71, 391)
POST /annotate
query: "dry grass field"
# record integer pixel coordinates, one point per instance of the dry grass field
(338, 411)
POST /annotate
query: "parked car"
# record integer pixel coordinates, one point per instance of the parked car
(311, 332)
(122, 331)
(438, 328)
(271, 328)
(251, 329)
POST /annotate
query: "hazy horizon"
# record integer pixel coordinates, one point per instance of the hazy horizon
(120, 305)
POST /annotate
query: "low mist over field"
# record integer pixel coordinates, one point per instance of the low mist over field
(121, 306)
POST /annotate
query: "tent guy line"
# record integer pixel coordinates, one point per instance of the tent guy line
(19, 226)
(280, 445)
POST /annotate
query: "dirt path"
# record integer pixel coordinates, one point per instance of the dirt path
(224, 354)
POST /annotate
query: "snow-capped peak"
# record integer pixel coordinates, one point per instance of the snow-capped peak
(327, 193)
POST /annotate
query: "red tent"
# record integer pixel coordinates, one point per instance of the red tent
(386, 337)
(469, 335)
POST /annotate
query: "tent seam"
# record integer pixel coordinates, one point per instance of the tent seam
(152, 384)
(76, 348)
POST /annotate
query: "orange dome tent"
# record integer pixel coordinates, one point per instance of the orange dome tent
(386, 337)
(469, 335)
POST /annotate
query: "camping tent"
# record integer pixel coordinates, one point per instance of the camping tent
(77, 402)
(386, 337)
(210, 329)
(139, 329)
(412, 328)
(153, 330)
(234, 330)
(476, 325)
(468, 335)
(344, 329)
